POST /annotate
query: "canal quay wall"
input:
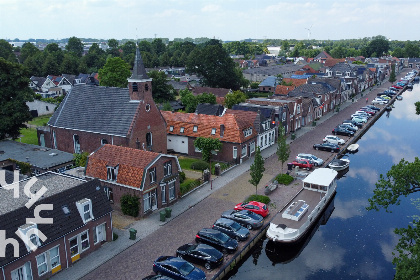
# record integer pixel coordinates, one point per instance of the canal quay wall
(242, 253)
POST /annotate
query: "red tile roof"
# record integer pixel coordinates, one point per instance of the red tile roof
(284, 90)
(131, 162)
(234, 124)
(219, 92)
(333, 61)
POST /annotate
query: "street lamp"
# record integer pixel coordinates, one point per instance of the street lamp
(214, 152)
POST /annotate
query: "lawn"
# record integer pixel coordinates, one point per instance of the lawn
(28, 135)
(185, 163)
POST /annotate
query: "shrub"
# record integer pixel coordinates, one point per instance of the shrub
(114, 236)
(181, 177)
(284, 179)
(199, 165)
(80, 159)
(259, 198)
(189, 185)
(130, 205)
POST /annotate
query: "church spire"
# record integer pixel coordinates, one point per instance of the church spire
(139, 72)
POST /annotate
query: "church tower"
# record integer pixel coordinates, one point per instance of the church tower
(139, 84)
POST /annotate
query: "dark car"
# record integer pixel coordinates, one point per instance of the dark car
(327, 147)
(342, 131)
(201, 254)
(177, 268)
(246, 218)
(348, 127)
(217, 239)
(231, 228)
(372, 107)
(157, 277)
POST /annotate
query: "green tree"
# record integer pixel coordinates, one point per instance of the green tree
(50, 65)
(398, 52)
(189, 101)
(167, 106)
(283, 149)
(75, 46)
(70, 64)
(213, 64)
(412, 50)
(207, 146)
(114, 73)
(417, 104)
(379, 46)
(28, 50)
(80, 159)
(6, 51)
(392, 77)
(113, 50)
(402, 179)
(130, 205)
(206, 98)
(14, 94)
(161, 90)
(257, 169)
(233, 98)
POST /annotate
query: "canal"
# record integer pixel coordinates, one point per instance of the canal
(351, 243)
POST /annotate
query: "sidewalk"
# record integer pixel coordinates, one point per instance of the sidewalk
(152, 222)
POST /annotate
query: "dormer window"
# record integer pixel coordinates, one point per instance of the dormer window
(111, 173)
(167, 168)
(181, 130)
(248, 132)
(213, 131)
(171, 128)
(30, 235)
(195, 128)
(85, 209)
(338, 73)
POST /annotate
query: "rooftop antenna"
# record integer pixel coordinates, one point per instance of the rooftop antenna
(309, 31)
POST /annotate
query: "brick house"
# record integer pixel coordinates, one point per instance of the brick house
(81, 223)
(148, 175)
(236, 132)
(91, 116)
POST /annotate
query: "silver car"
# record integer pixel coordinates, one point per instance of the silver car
(316, 161)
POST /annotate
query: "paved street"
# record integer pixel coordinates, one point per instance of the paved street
(128, 259)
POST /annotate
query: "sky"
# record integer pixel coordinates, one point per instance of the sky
(226, 20)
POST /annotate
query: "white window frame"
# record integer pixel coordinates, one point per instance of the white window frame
(235, 152)
(24, 230)
(283, 117)
(86, 239)
(171, 128)
(152, 175)
(181, 130)
(54, 139)
(86, 215)
(213, 131)
(112, 173)
(103, 141)
(53, 257)
(252, 147)
(244, 151)
(195, 128)
(26, 272)
(167, 168)
(74, 246)
(171, 187)
(44, 263)
(163, 193)
(147, 205)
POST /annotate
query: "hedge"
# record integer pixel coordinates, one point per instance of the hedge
(284, 179)
(199, 165)
(259, 198)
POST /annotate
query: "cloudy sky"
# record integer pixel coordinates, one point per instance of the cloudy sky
(221, 19)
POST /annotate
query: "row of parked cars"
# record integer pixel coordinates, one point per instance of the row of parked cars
(212, 243)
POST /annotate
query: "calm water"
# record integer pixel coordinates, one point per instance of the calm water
(354, 243)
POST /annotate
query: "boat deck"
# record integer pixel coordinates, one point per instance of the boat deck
(312, 198)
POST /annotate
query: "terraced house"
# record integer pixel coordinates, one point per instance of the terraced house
(236, 131)
(150, 176)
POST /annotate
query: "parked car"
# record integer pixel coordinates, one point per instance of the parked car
(342, 131)
(386, 97)
(177, 268)
(217, 239)
(348, 127)
(334, 139)
(245, 217)
(327, 147)
(316, 161)
(231, 228)
(157, 277)
(363, 113)
(379, 101)
(201, 254)
(397, 86)
(369, 111)
(353, 122)
(353, 126)
(372, 107)
(302, 163)
(254, 206)
(359, 118)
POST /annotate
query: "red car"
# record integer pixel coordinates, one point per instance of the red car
(254, 206)
(302, 163)
(397, 86)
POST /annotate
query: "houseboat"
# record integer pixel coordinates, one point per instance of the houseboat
(296, 218)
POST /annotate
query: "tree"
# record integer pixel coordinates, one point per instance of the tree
(379, 46)
(233, 98)
(14, 94)
(213, 64)
(161, 90)
(114, 73)
(417, 104)
(206, 98)
(412, 50)
(28, 50)
(113, 48)
(130, 205)
(283, 149)
(166, 106)
(392, 77)
(70, 64)
(402, 179)
(257, 169)
(188, 100)
(6, 51)
(208, 146)
(75, 46)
